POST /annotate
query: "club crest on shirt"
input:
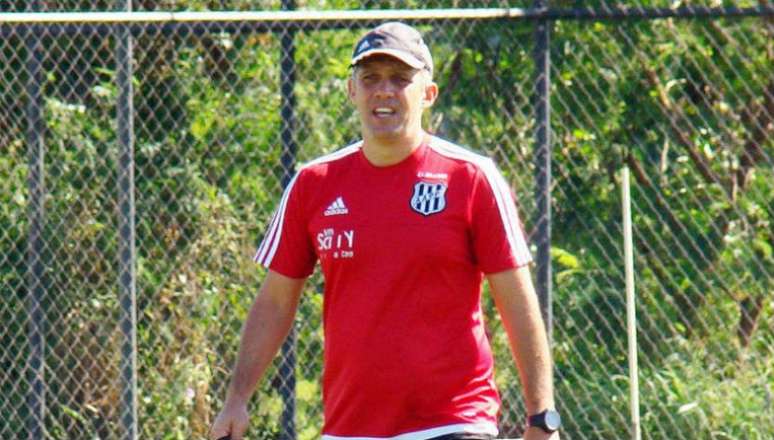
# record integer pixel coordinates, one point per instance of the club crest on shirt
(428, 198)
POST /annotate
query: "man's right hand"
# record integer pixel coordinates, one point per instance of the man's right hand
(232, 421)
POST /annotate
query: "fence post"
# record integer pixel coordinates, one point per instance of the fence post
(631, 314)
(36, 291)
(287, 367)
(126, 225)
(542, 57)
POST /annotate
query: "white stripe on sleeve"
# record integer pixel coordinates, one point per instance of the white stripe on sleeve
(270, 243)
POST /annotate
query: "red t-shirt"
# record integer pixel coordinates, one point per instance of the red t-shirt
(403, 250)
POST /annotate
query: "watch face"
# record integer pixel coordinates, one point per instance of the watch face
(553, 420)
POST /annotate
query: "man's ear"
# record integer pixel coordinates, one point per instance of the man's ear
(431, 94)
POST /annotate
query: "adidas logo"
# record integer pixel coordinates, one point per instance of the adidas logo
(336, 208)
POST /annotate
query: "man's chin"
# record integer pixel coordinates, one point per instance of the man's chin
(388, 134)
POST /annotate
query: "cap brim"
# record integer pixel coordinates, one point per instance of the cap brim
(399, 54)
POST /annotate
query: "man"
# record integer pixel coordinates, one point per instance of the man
(405, 225)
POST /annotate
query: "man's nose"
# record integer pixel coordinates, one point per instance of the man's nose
(384, 88)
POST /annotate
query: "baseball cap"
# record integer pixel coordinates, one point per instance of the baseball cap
(395, 39)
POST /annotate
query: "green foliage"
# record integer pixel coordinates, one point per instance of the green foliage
(208, 175)
(701, 250)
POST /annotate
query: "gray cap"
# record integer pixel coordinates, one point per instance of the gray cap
(398, 40)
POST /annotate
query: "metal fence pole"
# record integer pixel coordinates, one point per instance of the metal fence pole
(542, 58)
(287, 367)
(36, 293)
(127, 253)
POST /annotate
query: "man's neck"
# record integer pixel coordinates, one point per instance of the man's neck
(383, 153)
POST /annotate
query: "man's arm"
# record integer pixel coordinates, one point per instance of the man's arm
(519, 310)
(266, 326)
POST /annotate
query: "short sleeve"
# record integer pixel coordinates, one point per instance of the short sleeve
(499, 242)
(286, 247)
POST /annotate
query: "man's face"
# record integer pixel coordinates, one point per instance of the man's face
(390, 96)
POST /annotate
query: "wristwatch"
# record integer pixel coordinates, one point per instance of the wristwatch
(548, 420)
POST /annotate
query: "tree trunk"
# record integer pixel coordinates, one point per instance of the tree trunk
(749, 312)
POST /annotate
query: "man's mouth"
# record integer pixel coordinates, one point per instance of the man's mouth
(382, 112)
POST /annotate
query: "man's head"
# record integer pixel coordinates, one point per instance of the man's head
(397, 40)
(391, 82)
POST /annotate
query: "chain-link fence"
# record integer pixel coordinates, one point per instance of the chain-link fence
(166, 206)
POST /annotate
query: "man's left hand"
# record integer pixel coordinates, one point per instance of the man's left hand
(535, 433)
